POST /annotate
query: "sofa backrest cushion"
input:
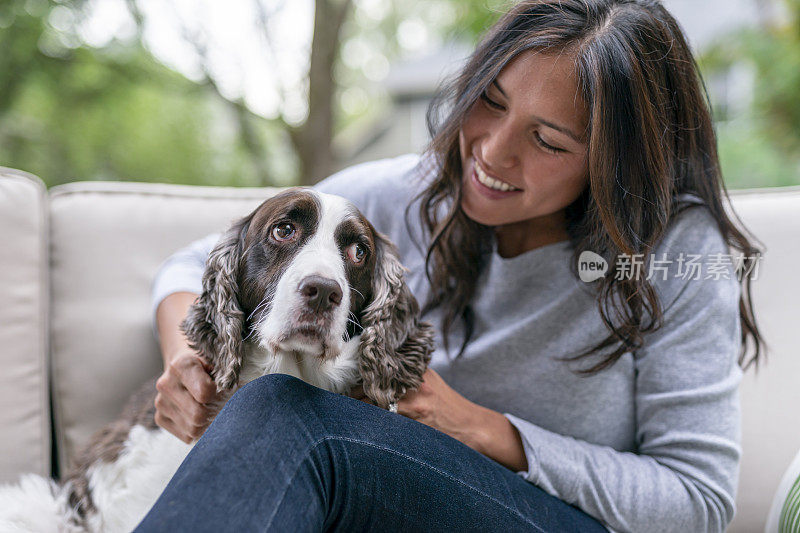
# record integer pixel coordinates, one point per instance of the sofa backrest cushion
(24, 403)
(771, 396)
(107, 241)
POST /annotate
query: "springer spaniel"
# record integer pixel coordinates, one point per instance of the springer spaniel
(304, 285)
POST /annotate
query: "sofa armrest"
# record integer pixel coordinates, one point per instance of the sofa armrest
(24, 400)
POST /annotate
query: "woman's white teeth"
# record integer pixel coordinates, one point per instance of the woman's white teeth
(491, 182)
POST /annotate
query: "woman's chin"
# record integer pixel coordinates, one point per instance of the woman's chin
(481, 214)
(486, 206)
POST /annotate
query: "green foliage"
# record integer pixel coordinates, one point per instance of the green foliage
(776, 54)
(762, 146)
(749, 159)
(474, 17)
(69, 111)
(460, 21)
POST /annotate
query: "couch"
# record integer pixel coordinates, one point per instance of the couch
(76, 263)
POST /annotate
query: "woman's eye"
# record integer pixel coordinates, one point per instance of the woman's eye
(283, 231)
(491, 103)
(547, 147)
(356, 253)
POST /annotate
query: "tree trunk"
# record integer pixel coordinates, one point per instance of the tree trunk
(312, 140)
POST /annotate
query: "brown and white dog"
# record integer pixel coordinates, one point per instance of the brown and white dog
(304, 285)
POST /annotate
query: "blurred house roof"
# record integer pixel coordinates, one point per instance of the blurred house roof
(400, 126)
(703, 21)
(419, 78)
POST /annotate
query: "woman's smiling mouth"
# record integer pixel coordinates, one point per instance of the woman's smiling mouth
(488, 186)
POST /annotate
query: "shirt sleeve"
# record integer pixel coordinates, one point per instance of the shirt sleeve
(181, 272)
(379, 189)
(684, 473)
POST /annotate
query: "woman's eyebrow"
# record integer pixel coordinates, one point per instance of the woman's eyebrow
(547, 123)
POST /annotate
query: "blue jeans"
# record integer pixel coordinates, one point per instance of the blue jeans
(286, 456)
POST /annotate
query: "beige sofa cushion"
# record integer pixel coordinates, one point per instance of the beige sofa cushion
(108, 240)
(771, 396)
(24, 408)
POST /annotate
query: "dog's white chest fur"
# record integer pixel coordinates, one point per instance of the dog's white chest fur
(123, 491)
(336, 375)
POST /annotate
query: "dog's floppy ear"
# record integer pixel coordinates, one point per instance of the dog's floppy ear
(395, 346)
(214, 324)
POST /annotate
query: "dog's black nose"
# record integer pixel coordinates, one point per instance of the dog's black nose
(320, 293)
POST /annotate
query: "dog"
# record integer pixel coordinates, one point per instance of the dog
(304, 285)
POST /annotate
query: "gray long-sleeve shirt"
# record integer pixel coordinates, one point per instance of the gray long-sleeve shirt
(650, 444)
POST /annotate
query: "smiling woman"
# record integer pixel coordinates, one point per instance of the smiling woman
(522, 170)
(577, 126)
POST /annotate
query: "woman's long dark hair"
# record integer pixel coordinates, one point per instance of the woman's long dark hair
(651, 138)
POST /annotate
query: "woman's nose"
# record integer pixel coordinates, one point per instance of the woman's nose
(499, 145)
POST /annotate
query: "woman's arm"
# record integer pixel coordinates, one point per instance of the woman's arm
(181, 272)
(437, 405)
(682, 474)
(169, 315)
(187, 399)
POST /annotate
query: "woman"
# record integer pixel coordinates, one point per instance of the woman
(576, 126)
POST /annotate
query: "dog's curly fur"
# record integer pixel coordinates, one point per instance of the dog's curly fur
(395, 345)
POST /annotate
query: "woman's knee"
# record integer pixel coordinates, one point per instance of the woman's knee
(285, 402)
(275, 389)
(272, 387)
(276, 400)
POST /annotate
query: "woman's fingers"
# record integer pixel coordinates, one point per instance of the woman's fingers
(187, 398)
(193, 375)
(167, 423)
(190, 417)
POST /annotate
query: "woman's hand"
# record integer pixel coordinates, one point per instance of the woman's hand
(439, 406)
(187, 399)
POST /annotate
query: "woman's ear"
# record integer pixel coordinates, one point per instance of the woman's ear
(395, 346)
(214, 324)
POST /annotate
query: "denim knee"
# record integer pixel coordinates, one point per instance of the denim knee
(270, 390)
(280, 399)
(272, 386)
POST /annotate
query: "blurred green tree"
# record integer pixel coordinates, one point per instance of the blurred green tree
(69, 110)
(775, 51)
(761, 145)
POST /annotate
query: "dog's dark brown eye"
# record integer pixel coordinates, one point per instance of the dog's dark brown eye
(283, 231)
(356, 252)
